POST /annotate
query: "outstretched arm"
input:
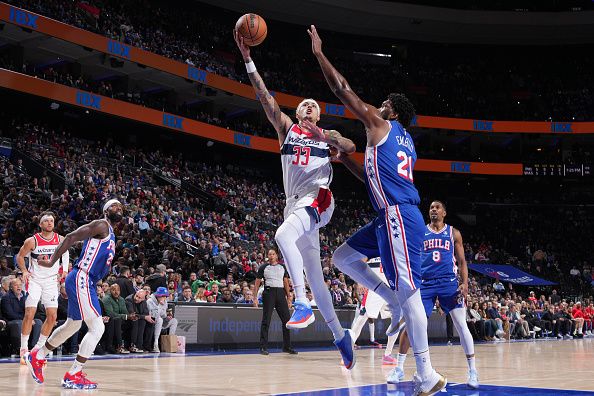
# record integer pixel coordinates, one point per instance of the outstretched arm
(367, 113)
(331, 137)
(96, 228)
(279, 120)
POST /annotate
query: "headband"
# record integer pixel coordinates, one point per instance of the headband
(45, 217)
(109, 203)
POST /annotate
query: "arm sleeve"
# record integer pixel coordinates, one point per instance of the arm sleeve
(65, 261)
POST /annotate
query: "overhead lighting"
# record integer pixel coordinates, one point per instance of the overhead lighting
(373, 54)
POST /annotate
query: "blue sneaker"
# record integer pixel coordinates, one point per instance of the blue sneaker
(302, 316)
(346, 347)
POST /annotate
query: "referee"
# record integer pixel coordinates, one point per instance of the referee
(276, 295)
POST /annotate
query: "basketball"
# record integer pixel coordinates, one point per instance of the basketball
(252, 28)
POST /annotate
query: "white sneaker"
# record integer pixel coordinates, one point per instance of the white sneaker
(395, 376)
(500, 333)
(473, 381)
(537, 329)
(433, 385)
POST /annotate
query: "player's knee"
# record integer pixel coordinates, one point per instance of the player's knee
(96, 326)
(282, 236)
(51, 316)
(30, 313)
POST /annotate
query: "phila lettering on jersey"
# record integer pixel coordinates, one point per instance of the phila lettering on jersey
(306, 163)
(389, 169)
(96, 257)
(437, 254)
(44, 249)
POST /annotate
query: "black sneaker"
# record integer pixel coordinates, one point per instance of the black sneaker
(290, 351)
(264, 351)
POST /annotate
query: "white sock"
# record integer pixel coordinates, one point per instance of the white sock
(372, 332)
(424, 368)
(471, 363)
(390, 345)
(76, 367)
(41, 341)
(416, 322)
(25, 341)
(401, 359)
(42, 353)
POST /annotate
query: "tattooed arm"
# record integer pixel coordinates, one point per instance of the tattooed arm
(279, 120)
(331, 137)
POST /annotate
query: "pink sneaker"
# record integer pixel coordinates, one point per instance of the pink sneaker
(389, 361)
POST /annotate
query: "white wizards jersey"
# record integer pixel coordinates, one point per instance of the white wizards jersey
(44, 249)
(306, 163)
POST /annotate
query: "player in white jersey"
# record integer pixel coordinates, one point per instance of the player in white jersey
(41, 283)
(372, 307)
(307, 173)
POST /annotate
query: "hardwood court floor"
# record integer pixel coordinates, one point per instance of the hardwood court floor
(540, 364)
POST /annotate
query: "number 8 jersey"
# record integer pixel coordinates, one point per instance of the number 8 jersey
(306, 163)
(389, 169)
(437, 254)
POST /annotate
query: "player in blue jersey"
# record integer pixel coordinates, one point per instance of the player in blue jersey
(444, 276)
(397, 232)
(92, 265)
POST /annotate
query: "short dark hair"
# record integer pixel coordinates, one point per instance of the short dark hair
(124, 269)
(440, 202)
(404, 108)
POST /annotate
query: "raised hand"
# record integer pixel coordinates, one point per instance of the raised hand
(316, 41)
(243, 48)
(316, 132)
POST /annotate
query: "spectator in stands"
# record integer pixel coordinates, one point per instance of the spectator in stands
(498, 286)
(159, 278)
(578, 315)
(493, 313)
(555, 299)
(143, 226)
(210, 298)
(124, 282)
(549, 320)
(143, 328)
(4, 270)
(119, 320)
(475, 322)
(247, 297)
(186, 295)
(13, 311)
(338, 297)
(562, 322)
(5, 285)
(157, 304)
(199, 296)
(518, 326)
(226, 296)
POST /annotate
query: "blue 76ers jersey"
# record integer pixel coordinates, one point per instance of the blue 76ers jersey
(389, 169)
(96, 256)
(437, 254)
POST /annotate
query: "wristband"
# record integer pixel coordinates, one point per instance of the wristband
(250, 67)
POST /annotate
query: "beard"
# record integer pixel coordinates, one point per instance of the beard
(114, 217)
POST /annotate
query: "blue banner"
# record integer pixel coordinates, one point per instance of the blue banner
(507, 273)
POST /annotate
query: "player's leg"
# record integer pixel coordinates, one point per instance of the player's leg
(287, 235)
(309, 245)
(49, 298)
(397, 374)
(357, 325)
(294, 226)
(372, 332)
(89, 303)
(348, 259)
(400, 245)
(34, 288)
(459, 320)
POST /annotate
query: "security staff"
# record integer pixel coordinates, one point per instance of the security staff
(276, 295)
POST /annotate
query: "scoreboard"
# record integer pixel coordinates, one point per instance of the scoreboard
(570, 170)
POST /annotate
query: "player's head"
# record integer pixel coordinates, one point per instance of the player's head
(46, 221)
(437, 211)
(309, 110)
(398, 107)
(113, 210)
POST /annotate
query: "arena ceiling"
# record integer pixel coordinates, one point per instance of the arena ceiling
(427, 23)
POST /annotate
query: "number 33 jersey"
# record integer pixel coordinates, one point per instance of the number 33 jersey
(389, 169)
(306, 163)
